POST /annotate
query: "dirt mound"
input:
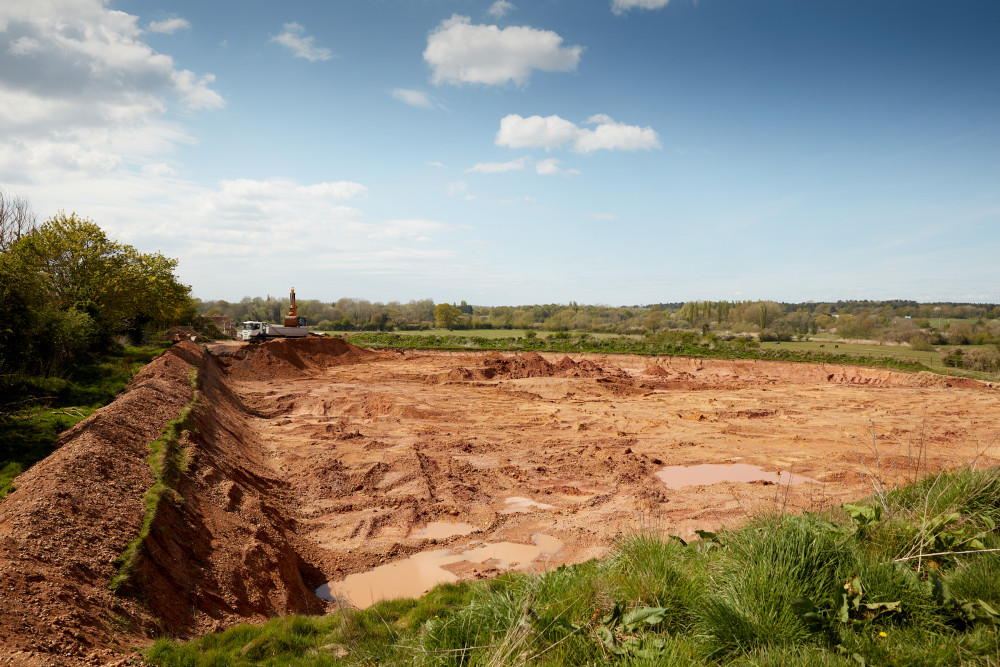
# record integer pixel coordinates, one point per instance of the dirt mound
(224, 549)
(290, 358)
(177, 334)
(527, 365)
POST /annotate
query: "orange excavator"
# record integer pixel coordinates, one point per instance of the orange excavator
(294, 326)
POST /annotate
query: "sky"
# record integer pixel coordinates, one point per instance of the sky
(510, 152)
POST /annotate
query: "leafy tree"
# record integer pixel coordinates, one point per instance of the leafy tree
(68, 289)
(447, 315)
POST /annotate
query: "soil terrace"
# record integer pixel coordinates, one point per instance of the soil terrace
(314, 460)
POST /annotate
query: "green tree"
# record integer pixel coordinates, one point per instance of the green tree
(447, 315)
(68, 289)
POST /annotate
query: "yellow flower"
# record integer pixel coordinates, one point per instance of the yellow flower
(882, 634)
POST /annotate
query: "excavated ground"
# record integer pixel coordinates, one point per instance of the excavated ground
(314, 460)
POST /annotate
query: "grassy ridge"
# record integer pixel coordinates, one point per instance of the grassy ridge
(838, 588)
(167, 461)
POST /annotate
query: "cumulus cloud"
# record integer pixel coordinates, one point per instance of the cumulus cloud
(553, 132)
(551, 167)
(499, 167)
(500, 8)
(414, 98)
(302, 45)
(459, 52)
(621, 6)
(169, 26)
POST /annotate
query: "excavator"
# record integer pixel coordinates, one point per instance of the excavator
(294, 326)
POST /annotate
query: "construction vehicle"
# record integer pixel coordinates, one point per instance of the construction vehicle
(294, 326)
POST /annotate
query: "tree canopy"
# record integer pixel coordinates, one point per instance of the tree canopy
(67, 289)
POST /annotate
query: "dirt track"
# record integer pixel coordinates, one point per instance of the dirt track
(315, 460)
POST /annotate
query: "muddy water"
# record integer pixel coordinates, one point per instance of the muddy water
(440, 530)
(518, 504)
(414, 576)
(678, 477)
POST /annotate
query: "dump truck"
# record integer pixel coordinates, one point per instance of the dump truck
(292, 327)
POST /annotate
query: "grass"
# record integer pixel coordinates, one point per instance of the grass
(813, 589)
(168, 461)
(489, 334)
(930, 358)
(933, 359)
(49, 406)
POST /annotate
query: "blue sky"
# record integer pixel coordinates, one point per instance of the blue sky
(598, 151)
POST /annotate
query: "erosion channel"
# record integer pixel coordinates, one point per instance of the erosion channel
(312, 463)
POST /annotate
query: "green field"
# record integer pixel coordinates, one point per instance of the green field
(930, 358)
(489, 333)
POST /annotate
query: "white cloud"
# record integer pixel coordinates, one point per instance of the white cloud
(500, 8)
(621, 6)
(499, 167)
(84, 96)
(553, 132)
(456, 188)
(158, 169)
(169, 26)
(535, 132)
(435, 163)
(414, 98)
(417, 230)
(459, 52)
(551, 167)
(295, 39)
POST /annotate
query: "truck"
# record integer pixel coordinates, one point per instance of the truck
(293, 326)
(258, 332)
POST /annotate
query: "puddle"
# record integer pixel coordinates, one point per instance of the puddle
(519, 504)
(414, 576)
(439, 530)
(677, 477)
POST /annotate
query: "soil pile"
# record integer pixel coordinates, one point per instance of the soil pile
(290, 358)
(528, 365)
(222, 549)
(177, 334)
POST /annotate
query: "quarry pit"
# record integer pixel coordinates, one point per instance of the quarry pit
(318, 472)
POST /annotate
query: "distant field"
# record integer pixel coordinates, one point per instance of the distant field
(931, 358)
(486, 333)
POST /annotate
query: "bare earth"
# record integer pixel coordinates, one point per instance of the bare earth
(377, 450)
(314, 462)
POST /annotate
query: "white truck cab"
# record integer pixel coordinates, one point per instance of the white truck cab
(258, 332)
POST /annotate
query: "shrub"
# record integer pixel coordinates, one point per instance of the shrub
(985, 359)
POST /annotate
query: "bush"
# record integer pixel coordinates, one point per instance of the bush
(986, 360)
(921, 342)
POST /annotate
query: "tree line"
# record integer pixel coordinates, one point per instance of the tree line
(882, 321)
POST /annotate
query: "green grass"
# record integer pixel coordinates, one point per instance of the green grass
(489, 334)
(814, 589)
(45, 407)
(930, 358)
(167, 460)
